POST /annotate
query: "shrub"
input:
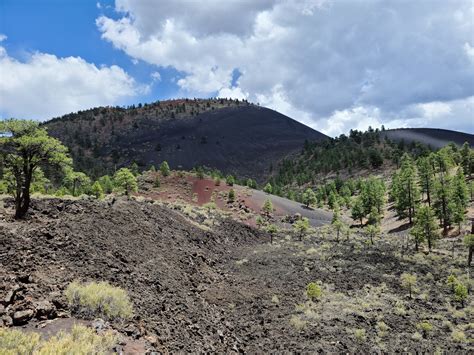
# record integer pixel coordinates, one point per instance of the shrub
(268, 188)
(458, 336)
(230, 180)
(217, 181)
(460, 293)
(98, 299)
(13, 341)
(97, 191)
(267, 206)
(165, 168)
(313, 291)
(451, 281)
(425, 327)
(81, 340)
(157, 182)
(231, 196)
(382, 329)
(359, 335)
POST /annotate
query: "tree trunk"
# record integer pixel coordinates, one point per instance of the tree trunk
(469, 257)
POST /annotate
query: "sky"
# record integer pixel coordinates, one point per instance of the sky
(333, 65)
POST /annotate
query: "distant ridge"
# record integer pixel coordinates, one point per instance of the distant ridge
(434, 137)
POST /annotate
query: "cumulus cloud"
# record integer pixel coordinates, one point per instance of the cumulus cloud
(45, 86)
(327, 63)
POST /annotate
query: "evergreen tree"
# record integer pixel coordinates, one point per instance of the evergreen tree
(134, 169)
(230, 181)
(106, 184)
(405, 189)
(24, 147)
(96, 190)
(268, 188)
(426, 173)
(372, 231)
(125, 182)
(357, 211)
(77, 182)
(425, 227)
(272, 230)
(231, 196)
(442, 192)
(165, 168)
(267, 207)
(301, 226)
(309, 197)
(467, 156)
(469, 243)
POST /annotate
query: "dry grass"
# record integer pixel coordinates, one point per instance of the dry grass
(99, 300)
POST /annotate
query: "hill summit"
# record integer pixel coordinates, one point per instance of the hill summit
(230, 135)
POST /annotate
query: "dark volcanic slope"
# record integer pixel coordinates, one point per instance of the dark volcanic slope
(436, 138)
(235, 138)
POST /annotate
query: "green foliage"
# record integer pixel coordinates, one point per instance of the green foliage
(200, 172)
(426, 327)
(251, 183)
(405, 189)
(267, 206)
(272, 230)
(81, 340)
(425, 227)
(372, 231)
(408, 281)
(268, 188)
(98, 300)
(24, 147)
(77, 182)
(231, 196)
(313, 291)
(452, 281)
(125, 182)
(107, 184)
(301, 227)
(157, 182)
(357, 211)
(460, 293)
(97, 191)
(230, 180)
(309, 197)
(469, 243)
(134, 169)
(165, 168)
(217, 181)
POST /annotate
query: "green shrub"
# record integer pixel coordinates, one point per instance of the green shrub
(313, 291)
(451, 281)
(460, 293)
(231, 196)
(382, 329)
(425, 327)
(359, 335)
(81, 340)
(98, 299)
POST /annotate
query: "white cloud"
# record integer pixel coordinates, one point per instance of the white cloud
(469, 50)
(156, 76)
(2, 37)
(345, 62)
(45, 86)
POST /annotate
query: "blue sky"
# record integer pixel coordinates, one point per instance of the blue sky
(331, 64)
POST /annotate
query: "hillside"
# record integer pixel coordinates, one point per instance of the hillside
(232, 136)
(225, 289)
(435, 138)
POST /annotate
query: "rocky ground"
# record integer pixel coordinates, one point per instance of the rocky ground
(220, 286)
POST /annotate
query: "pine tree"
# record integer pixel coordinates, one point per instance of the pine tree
(106, 184)
(125, 182)
(426, 173)
(24, 146)
(268, 188)
(467, 155)
(357, 211)
(442, 192)
(231, 196)
(406, 190)
(96, 190)
(309, 197)
(372, 230)
(230, 180)
(425, 227)
(469, 243)
(301, 226)
(267, 207)
(165, 168)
